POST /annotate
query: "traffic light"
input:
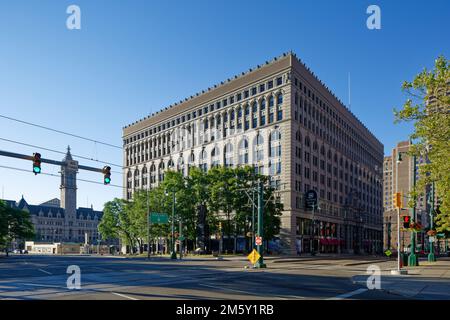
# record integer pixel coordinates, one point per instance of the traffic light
(106, 175)
(398, 199)
(36, 163)
(406, 222)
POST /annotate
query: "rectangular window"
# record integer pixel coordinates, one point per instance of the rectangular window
(270, 84)
(246, 94)
(239, 97)
(253, 91)
(262, 87)
(279, 81)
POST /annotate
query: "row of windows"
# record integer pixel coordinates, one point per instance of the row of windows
(237, 97)
(164, 145)
(340, 127)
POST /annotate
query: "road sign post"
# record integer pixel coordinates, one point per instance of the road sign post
(260, 248)
(311, 203)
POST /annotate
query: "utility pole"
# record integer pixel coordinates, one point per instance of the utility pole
(260, 248)
(253, 220)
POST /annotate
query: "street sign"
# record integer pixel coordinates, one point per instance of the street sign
(182, 238)
(388, 253)
(258, 241)
(159, 218)
(311, 199)
(254, 256)
(72, 165)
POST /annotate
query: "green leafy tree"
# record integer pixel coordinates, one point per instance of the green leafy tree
(116, 222)
(14, 224)
(428, 107)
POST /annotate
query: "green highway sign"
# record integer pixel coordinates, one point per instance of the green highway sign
(159, 218)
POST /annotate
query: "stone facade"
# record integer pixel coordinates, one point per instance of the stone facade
(285, 122)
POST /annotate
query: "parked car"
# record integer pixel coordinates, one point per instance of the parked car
(24, 251)
(16, 251)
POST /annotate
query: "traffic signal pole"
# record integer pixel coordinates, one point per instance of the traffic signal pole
(260, 248)
(49, 161)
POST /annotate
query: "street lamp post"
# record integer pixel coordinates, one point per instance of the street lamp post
(412, 259)
(173, 254)
(431, 256)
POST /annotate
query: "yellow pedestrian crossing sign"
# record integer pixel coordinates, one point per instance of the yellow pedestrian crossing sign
(254, 256)
(388, 252)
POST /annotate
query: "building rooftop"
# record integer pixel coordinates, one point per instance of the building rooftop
(216, 90)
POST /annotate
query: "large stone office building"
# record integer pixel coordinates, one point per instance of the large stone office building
(280, 118)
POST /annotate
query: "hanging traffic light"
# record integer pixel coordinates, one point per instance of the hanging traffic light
(406, 222)
(36, 163)
(106, 175)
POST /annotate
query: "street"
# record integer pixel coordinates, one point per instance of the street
(110, 278)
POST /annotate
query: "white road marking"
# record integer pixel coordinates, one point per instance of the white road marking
(42, 285)
(349, 294)
(102, 269)
(124, 296)
(238, 291)
(45, 271)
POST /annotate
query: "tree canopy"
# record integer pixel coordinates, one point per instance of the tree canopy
(428, 107)
(14, 224)
(220, 190)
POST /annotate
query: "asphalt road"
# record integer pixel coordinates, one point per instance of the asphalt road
(45, 277)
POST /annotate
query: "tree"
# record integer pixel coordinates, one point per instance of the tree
(428, 107)
(116, 222)
(14, 224)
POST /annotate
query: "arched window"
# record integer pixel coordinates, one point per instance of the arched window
(262, 112)
(228, 155)
(243, 151)
(246, 117)
(271, 101)
(215, 159)
(239, 118)
(315, 146)
(170, 164)
(136, 178)
(258, 148)
(180, 165)
(279, 109)
(144, 176)
(275, 144)
(203, 160)
(280, 99)
(161, 172)
(254, 115)
(153, 173)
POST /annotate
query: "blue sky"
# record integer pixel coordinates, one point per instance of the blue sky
(131, 58)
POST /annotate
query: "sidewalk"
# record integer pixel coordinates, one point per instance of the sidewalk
(428, 281)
